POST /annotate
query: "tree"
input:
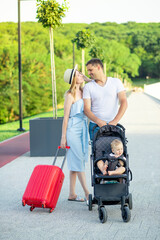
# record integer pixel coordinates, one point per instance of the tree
(97, 52)
(50, 14)
(84, 39)
(8, 82)
(134, 52)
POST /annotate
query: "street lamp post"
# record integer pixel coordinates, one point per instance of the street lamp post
(20, 70)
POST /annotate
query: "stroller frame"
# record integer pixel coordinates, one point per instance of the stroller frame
(114, 192)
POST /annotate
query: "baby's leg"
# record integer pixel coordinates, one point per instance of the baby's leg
(118, 171)
(105, 166)
(102, 166)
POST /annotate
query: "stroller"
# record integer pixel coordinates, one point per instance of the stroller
(108, 190)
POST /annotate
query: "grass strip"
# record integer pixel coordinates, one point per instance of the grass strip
(9, 130)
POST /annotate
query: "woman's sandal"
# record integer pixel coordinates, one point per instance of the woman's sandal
(77, 199)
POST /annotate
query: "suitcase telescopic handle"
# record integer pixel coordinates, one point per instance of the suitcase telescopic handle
(59, 147)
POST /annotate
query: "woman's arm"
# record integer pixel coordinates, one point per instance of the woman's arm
(67, 107)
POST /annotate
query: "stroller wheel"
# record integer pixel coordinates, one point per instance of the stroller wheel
(126, 214)
(90, 202)
(102, 214)
(130, 201)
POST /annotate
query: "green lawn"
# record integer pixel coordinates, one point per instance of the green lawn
(9, 130)
(141, 82)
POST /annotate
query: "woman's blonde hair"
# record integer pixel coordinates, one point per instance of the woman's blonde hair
(72, 89)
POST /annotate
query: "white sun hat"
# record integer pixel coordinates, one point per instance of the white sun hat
(69, 74)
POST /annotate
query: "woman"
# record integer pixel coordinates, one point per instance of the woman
(75, 132)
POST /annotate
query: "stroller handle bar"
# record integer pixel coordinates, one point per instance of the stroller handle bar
(118, 125)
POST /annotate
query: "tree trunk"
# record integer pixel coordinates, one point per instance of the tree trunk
(105, 69)
(73, 55)
(53, 76)
(83, 62)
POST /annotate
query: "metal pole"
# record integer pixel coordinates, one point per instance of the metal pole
(20, 69)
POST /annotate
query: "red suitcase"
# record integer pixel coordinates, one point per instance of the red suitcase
(44, 185)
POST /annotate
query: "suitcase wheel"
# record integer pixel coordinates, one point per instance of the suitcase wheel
(31, 208)
(23, 203)
(43, 205)
(51, 210)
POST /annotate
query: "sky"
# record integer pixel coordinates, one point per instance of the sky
(88, 11)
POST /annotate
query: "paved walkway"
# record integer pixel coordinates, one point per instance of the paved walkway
(71, 220)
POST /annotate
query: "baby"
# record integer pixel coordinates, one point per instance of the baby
(117, 151)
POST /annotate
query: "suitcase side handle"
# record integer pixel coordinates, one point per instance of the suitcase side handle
(59, 147)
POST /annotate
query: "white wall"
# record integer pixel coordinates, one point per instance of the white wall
(153, 90)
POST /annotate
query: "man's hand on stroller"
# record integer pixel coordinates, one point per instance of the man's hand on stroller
(101, 123)
(113, 122)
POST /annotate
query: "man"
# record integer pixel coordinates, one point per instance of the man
(101, 97)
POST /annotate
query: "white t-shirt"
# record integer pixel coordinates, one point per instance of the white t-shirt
(104, 100)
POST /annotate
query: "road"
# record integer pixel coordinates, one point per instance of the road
(72, 220)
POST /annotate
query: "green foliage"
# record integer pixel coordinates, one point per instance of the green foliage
(141, 38)
(8, 83)
(50, 13)
(84, 39)
(138, 82)
(130, 49)
(118, 58)
(97, 52)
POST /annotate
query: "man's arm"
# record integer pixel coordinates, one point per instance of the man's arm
(122, 108)
(90, 115)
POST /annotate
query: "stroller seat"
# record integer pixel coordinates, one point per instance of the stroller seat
(102, 151)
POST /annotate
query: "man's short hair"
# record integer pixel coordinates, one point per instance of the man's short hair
(95, 62)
